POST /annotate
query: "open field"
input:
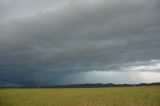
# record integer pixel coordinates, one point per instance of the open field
(118, 96)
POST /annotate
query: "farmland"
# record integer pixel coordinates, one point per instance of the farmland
(112, 96)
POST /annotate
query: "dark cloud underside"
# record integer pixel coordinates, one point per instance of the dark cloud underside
(58, 38)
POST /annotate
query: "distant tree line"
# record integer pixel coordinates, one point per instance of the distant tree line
(97, 85)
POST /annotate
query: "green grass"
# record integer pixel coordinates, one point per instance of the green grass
(122, 96)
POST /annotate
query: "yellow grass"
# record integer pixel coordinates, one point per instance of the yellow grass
(122, 96)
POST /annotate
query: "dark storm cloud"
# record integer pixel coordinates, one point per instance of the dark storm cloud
(45, 38)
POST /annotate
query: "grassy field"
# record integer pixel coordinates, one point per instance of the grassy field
(122, 96)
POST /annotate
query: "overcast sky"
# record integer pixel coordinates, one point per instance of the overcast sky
(47, 42)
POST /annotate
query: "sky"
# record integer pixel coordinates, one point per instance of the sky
(52, 42)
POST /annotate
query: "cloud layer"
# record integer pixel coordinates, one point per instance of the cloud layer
(65, 36)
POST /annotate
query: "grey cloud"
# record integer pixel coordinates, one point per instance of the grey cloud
(152, 65)
(78, 37)
(17, 8)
